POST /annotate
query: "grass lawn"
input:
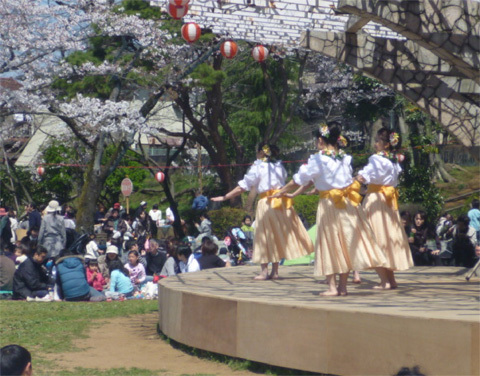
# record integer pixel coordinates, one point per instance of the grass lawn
(52, 327)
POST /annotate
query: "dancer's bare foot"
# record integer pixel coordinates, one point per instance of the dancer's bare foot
(386, 286)
(393, 286)
(273, 276)
(342, 293)
(356, 277)
(261, 277)
(329, 293)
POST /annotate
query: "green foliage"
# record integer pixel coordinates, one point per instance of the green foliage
(111, 190)
(306, 207)
(416, 187)
(207, 77)
(225, 218)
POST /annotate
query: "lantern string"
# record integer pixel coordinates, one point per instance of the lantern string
(210, 166)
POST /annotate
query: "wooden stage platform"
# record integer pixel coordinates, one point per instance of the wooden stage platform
(432, 320)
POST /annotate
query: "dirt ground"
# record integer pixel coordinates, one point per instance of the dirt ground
(133, 342)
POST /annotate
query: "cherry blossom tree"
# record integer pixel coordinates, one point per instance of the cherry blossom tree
(49, 47)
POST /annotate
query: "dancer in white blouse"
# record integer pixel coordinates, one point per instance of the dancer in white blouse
(279, 233)
(381, 207)
(345, 240)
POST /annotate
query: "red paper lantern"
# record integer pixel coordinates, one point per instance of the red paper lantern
(180, 3)
(160, 176)
(229, 49)
(260, 53)
(177, 11)
(191, 32)
(400, 157)
(40, 170)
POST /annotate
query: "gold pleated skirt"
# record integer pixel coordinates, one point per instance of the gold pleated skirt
(389, 232)
(345, 240)
(279, 234)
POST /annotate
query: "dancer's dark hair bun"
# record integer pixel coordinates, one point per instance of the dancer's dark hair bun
(386, 135)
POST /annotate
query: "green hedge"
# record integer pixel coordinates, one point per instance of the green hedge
(225, 218)
(306, 207)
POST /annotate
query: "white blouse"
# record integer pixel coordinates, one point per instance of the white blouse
(264, 176)
(381, 170)
(325, 172)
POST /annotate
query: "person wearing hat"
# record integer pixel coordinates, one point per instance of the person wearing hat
(52, 235)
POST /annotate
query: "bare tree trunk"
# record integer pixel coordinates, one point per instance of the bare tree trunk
(405, 133)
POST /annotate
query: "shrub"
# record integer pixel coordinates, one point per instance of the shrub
(306, 207)
(225, 218)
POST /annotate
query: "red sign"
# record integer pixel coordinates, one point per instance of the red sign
(126, 187)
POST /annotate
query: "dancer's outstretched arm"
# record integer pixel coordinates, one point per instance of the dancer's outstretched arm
(233, 193)
(299, 191)
(287, 187)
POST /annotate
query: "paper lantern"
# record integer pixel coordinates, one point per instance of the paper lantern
(229, 49)
(177, 11)
(400, 158)
(260, 53)
(191, 32)
(160, 176)
(40, 170)
(180, 3)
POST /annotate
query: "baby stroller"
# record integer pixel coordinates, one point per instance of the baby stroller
(237, 245)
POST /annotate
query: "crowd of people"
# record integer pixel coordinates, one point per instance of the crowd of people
(53, 262)
(354, 232)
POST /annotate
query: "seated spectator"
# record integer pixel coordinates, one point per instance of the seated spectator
(120, 283)
(91, 249)
(22, 252)
(156, 259)
(209, 257)
(30, 279)
(444, 226)
(70, 219)
(205, 226)
(464, 243)
(135, 268)
(72, 280)
(7, 271)
(406, 219)
(15, 360)
(114, 224)
(171, 265)
(141, 227)
(188, 263)
(100, 215)
(94, 276)
(420, 233)
(248, 230)
(169, 216)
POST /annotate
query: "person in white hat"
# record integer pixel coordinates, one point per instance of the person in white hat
(52, 235)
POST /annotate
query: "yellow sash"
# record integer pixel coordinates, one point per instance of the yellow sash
(277, 203)
(390, 193)
(339, 196)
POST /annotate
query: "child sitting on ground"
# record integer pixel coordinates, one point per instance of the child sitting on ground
(94, 277)
(135, 268)
(120, 284)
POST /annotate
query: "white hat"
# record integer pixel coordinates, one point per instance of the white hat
(52, 207)
(112, 249)
(143, 203)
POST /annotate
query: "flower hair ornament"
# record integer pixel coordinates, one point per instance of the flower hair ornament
(324, 131)
(394, 139)
(266, 150)
(342, 142)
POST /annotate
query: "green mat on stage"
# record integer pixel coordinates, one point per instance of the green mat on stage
(305, 260)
